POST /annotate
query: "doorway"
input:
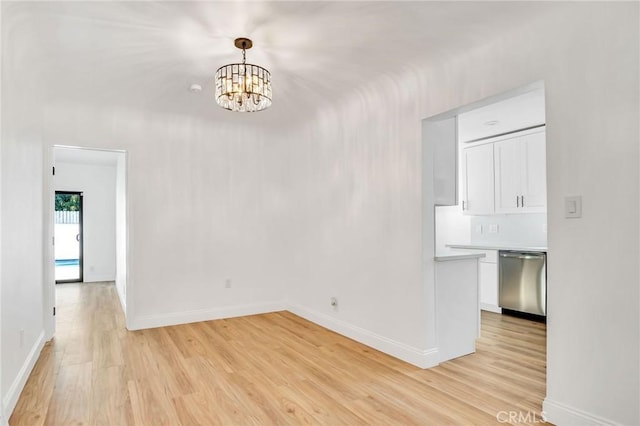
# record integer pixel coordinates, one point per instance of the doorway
(96, 182)
(495, 147)
(68, 237)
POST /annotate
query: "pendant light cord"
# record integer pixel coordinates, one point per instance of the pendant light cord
(244, 53)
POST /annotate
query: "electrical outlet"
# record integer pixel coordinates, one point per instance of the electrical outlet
(227, 283)
(334, 302)
(493, 228)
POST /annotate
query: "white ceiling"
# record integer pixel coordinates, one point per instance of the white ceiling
(511, 114)
(147, 54)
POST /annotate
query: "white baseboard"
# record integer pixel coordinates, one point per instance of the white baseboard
(562, 414)
(175, 318)
(11, 398)
(491, 308)
(412, 355)
(92, 278)
(418, 357)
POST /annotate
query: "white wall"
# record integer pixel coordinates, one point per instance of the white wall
(526, 230)
(3, 420)
(358, 221)
(22, 259)
(334, 208)
(205, 203)
(452, 227)
(98, 185)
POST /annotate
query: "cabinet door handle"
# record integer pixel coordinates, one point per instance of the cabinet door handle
(517, 201)
(522, 201)
(464, 205)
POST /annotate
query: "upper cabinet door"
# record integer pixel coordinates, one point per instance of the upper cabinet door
(478, 180)
(443, 137)
(534, 177)
(508, 175)
(521, 184)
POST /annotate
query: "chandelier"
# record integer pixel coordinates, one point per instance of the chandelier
(243, 87)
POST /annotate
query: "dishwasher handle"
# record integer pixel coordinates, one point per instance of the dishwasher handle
(521, 255)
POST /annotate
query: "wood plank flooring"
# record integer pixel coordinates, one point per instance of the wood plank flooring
(267, 369)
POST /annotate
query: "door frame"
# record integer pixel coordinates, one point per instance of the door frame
(81, 238)
(123, 227)
(429, 224)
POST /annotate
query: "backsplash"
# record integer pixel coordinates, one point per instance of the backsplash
(511, 229)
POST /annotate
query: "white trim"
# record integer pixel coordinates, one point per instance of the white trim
(175, 318)
(534, 128)
(50, 284)
(123, 299)
(3, 418)
(562, 414)
(88, 148)
(49, 274)
(99, 278)
(11, 398)
(418, 357)
(491, 308)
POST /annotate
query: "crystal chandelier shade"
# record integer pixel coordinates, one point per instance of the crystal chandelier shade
(243, 87)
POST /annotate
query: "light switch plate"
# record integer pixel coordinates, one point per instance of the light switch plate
(573, 207)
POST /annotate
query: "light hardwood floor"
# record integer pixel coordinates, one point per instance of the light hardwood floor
(267, 369)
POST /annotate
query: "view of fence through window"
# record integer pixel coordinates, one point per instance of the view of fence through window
(68, 236)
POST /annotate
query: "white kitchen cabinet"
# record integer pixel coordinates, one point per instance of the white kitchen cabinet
(442, 135)
(534, 183)
(520, 174)
(478, 180)
(488, 281)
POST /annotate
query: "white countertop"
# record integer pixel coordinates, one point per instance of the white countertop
(496, 247)
(456, 255)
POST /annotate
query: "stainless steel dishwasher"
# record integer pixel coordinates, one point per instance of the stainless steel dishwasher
(523, 282)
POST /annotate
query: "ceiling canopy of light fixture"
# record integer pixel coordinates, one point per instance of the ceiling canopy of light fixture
(243, 87)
